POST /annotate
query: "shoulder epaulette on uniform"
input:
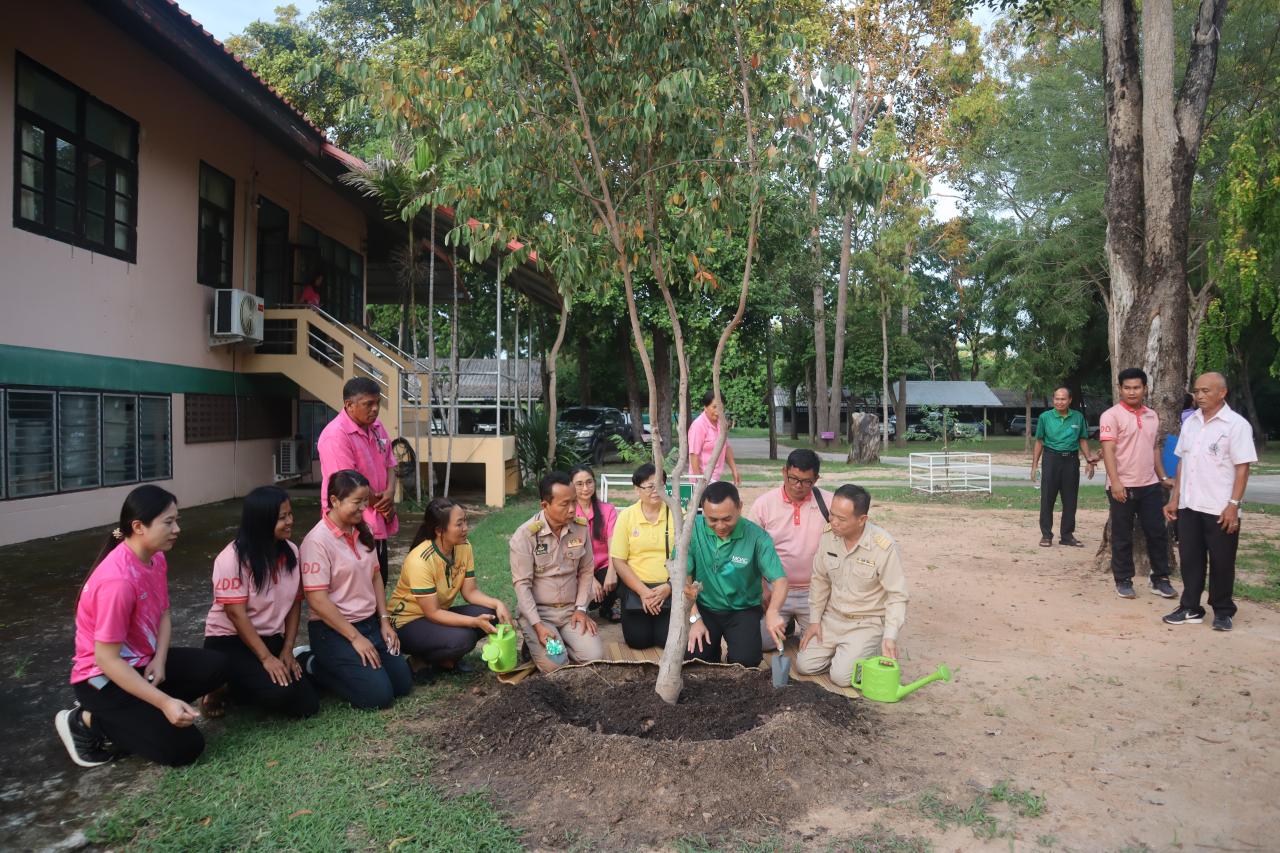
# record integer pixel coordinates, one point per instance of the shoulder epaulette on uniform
(883, 541)
(579, 519)
(535, 526)
(827, 529)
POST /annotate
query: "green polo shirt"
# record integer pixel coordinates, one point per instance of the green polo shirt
(1061, 433)
(730, 569)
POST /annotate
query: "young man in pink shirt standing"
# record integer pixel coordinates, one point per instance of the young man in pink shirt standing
(1214, 451)
(1129, 432)
(354, 440)
(794, 515)
(704, 432)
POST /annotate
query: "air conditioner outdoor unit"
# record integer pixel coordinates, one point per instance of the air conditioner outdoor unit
(292, 459)
(237, 314)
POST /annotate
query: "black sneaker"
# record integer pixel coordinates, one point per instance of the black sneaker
(305, 658)
(85, 748)
(1183, 617)
(1162, 588)
(1222, 623)
(1072, 541)
(1124, 589)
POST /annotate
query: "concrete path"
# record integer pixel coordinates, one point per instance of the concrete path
(1262, 488)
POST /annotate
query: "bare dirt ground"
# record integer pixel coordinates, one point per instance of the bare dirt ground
(1139, 736)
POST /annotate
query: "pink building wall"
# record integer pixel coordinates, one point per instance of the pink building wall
(61, 297)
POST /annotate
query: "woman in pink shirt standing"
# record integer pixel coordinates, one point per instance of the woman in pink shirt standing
(131, 688)
(600, 518)
(704, 432)
(355, 651)
(257, 602)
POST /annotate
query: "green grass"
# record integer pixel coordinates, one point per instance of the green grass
(1025, 803)
(339, 781)
(878, 839)
(977, 815)
(1262, 558)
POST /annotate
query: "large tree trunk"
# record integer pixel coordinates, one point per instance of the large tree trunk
(884, 372)
(551, 383)
(818, 389)
(660, 421)
(900, 404)
(633, 396)
(769, 408)
(813, 405)
(864, 438)
(836, 402)
(453, 377)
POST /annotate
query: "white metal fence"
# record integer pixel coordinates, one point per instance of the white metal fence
(940, 473)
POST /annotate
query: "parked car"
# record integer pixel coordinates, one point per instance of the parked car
(591, 429)
(1017, 425)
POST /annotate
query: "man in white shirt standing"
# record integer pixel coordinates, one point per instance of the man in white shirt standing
(1214, 451)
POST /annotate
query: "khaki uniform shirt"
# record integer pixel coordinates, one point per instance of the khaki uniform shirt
(551, 570)
(864, 581)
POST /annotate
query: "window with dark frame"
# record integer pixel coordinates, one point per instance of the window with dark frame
(217, 227)
(214, 417)
(343, 270)
(75, 165)
(54, 441)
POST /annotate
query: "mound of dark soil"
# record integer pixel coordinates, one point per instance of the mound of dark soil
(592, 756)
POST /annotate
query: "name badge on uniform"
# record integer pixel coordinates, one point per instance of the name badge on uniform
(830, 554)
(540, 549)
(575, 543)
(871, 563)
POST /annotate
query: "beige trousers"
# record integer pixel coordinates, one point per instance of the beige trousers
(795, 606)
(581, 647)
(844, 641)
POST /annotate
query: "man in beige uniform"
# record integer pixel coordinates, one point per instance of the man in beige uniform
(857, 595)
(552, 566)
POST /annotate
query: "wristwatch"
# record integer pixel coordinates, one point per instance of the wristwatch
(693, 618)
(1233, 502)
(581, 608)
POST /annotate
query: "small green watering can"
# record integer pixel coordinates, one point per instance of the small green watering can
(880, 679)
(500, 651)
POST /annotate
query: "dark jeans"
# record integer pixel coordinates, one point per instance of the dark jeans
(141, 728)
(380, 550)
(739, 628)
(250, 684)
(1060, 474)
(338, 669)
(432, 642)
(1199, 534)
(642, 630)
(1146, 503)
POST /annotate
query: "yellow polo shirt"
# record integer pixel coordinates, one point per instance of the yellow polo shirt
(428, 572)
(644, 544)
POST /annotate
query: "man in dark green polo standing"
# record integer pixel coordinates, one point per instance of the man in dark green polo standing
(1061, 436)
(729, 557)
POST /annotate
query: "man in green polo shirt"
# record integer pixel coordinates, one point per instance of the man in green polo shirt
(1061, 436)
(729, 557)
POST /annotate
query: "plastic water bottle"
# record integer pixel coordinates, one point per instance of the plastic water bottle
(556, 652)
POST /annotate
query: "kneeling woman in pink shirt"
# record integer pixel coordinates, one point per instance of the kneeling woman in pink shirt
(257, 601)
(355, 652)
(132, 689)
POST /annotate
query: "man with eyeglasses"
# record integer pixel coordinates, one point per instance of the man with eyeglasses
(794, 515)
(1214, 451)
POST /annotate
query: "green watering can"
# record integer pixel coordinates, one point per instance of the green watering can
(500, 651)
(880, 679)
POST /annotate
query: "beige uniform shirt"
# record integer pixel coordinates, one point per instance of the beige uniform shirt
(548, 569)
(864, 581)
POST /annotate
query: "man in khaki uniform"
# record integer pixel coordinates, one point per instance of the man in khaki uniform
(857, 595)
(552, 566)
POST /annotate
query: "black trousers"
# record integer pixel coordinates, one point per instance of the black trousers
(250, 684)
(1146, 503)
(643, 630)
(1200, 535)
(606, 603)
(1060, 474)
(432, 642)
(143, 729)
(739, 628)
(339, 670)
(380, 549)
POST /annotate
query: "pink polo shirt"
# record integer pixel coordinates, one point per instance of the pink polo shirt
(337, 563)
(703, 436)
(123, 602)
(1209, 452)
(267, 608)
(1134, 433)
(600, 547)
(795, 530)
(343, 445)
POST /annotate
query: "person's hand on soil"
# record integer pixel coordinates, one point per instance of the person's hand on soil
(154, 672)
(484, 622)
(390, 637)
(276, 670)
(776, 626)
(290, 664)
(583, 623)
(544, 633)
(813, 632)
(698, 637)
(366, 652)
(179, 713)
(504, 615)
(1171, 511)
(1230, 518)
(889, 648)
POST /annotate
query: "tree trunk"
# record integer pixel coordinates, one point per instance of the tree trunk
(633, 396)
(431, 360)
(1247, 401)
(768, 395)
(812, 423)
(864, 438)
(795, 418)
(551, 383)
(660, 422)
(453, 377)
(842, 301)
(1027, 432)
(900, 405)
(818, 392)
(884, 371)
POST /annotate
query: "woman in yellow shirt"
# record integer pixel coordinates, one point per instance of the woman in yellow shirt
(642, 541)
(439, 568)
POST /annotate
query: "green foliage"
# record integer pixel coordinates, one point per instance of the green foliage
(533, 448)
(636, 454)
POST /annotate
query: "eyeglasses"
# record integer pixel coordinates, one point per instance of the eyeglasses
(584, 484)
(796, 481)
(647, 487)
